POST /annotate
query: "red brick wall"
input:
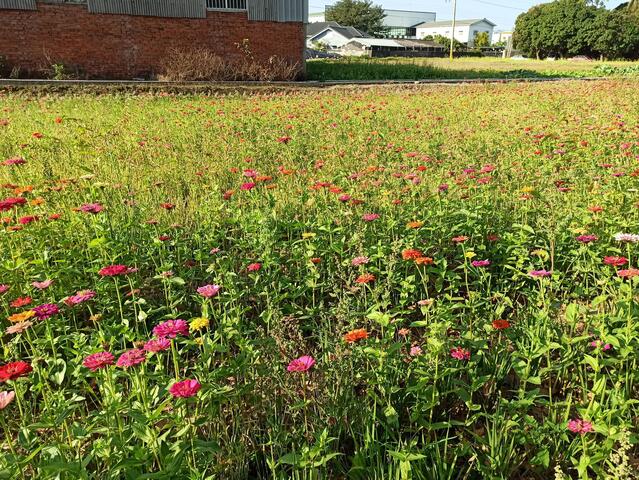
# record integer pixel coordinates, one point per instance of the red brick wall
(122, 46)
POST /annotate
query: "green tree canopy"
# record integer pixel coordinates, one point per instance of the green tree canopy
(361, 14)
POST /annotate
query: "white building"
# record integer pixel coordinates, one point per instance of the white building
(499, 37)
(398, 23)
(465, 30)
(330, 34)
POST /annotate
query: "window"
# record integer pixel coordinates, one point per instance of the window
(226, 4)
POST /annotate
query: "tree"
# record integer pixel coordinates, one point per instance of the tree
(445, 41)
(482, 40)
(361, 14)
(616, 35)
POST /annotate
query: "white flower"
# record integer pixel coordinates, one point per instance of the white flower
(627, 237)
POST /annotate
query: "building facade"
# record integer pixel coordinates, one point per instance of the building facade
(125, 39)
(465, 30)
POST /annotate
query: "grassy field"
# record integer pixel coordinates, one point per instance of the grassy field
(426, 283)
(353, 68)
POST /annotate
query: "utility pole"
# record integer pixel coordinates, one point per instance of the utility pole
(452, 33)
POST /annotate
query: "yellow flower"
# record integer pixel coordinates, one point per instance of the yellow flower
(528, 189)
(199, 340)
(470, 254)
(306, 235)
(540, 253)
(21, 317)
(199, 323)
(579, 231)
(96, 317)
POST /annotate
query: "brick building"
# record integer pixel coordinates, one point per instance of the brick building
(125, 39)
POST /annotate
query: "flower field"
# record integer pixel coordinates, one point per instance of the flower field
(392, 283)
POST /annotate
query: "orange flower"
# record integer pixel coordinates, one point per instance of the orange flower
(424, 261)
(36, 201)
(365, 278)
(316, 260)
(411, 254)
(21, 190)
(500, 324)
(21, 317)
(415, 224)
(14, 228)
(355, 335)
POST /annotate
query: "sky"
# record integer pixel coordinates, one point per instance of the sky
(501, 12)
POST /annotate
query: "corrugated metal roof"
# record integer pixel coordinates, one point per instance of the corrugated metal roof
(406, 18)
(151, 8)
(18, 4)
(278, 10)
(448, 23)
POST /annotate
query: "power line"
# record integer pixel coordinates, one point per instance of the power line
(499, 5)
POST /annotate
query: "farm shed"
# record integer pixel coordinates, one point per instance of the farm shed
(130, 38)
(387, 47)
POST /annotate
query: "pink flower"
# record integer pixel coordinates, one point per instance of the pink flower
(215, 250)
(480, 263)
(6, 398)
(4, 288)
(114, 270)
(598, 343)
(157, 345)
(357, 261)
(18, 327)
(185, 388)
(80, 297)
(209, 291)
(539, 273)
(587, 238)
(91, 208)
(344, 198)
(42, 285)
(171, 329)
(415, 351)
(369, 217)
(46, 310)
(248, 186)
(301, 364)
(131, 358)
(98, 360)
(254, 267)
(616, 261)
(460, 353)
(580, 426)
(14, 161)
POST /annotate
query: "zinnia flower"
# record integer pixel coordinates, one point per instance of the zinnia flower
(21, 302)
(415, 351)
(580, 426)
(627, 237)
(14, 370)
(6, 398)
(14, 161)
(18, 327)
(21, 317)
(459, 239)
(209, 291)
(198, 324)
(369, 217)
(357, 261)
(500, 324)
(480, 263)
(539, 273)
(46, 310)
(113, 270)
(460, 353)
(80, 297)
(157, 345)
(42, 285)
(411, 254)
(131, 358)
(185, 388)
(301, 364)
(171, 329)
(98, 360)
(254, 267)
(365, 278)
(616, 261)
(3, 288)
(355, 335)
(91, 208)
(629, 273)
(587, 238)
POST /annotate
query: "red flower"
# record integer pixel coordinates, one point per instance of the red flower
(167, 206)
(14, 370)
(113, 270)
(98, 360)
(254, 267)
(21, 302)
(616, 261)
(411, 254)
(500, 324)
(185, 389)
(460, 239)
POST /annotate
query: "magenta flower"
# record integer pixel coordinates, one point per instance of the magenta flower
(4, 288)
(91, 208)
(248, 186)
(46, 310)
(301, 364)
(480, 263)
(460, 353)
(587, 238)
(209, 291)
(598, 343)
(369, 217)
(131, 358)
(185, 388)
(171, 329)
(80, 297)
(580, 426)
(157, 345)
(98, 360)
(539, 273)
(42, 285)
